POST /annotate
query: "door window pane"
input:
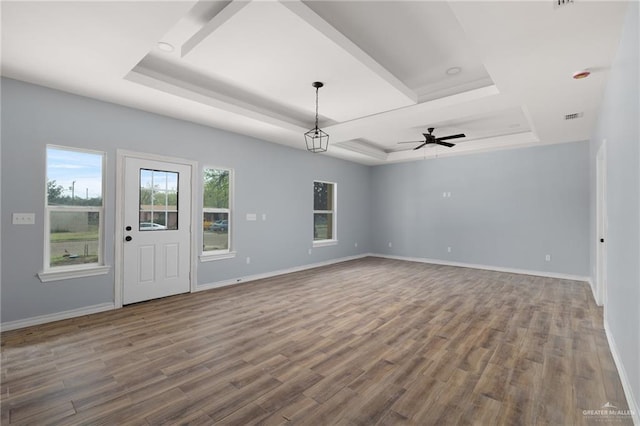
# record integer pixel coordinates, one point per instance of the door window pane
(158, 200)
(74, 237)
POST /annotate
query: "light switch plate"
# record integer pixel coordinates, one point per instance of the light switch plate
(24, 218)
(251, 216)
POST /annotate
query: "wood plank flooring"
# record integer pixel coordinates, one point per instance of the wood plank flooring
(366, 342)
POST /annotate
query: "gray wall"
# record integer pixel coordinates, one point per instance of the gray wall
(269, 178)
(507, 209)
(619, 125)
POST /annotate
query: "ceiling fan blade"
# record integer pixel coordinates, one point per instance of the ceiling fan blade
(411, 142)
(446, 144)
(460, 135)
(420, 146)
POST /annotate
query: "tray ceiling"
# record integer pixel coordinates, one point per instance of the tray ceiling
(247, 67)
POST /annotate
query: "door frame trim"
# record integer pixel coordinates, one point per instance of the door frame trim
(121, 155)
(601, 226)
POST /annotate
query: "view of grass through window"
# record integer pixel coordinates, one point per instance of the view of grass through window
(74, 206)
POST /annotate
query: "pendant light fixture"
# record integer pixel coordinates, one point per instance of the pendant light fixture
(317, 140)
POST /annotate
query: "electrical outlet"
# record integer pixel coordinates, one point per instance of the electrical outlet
(248, 260)
(548, 258)
(390, 245)
(356, 244)
(309, 251)
(448, 249)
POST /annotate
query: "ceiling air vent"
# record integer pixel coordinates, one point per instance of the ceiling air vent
(573, 116)
(560, 3)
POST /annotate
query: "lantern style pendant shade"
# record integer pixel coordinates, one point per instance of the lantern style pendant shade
(316, 139)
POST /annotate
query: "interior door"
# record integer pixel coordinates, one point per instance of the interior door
(157, 229)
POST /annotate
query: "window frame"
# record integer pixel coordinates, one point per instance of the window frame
(334, 213)
(55, 273)
(228, 253)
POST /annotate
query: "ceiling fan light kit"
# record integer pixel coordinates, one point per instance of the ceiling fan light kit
(317, 140)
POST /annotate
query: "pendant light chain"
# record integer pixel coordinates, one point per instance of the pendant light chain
(317, 107)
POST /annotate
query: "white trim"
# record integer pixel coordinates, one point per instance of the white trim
(271, 274)
(626, 385)
(325, 243)
(211, 256)
(66, 273)
(486, 267)
(43, 319)
(600, 278)
(121, 154)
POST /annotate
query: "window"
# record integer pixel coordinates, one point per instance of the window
(158, 200)
(216, 212)
(74, 209)
(324, 212)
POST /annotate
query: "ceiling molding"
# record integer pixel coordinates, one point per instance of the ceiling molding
(220, 18)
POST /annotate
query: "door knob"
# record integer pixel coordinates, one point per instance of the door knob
(602, 240)
(128, 238)
(128, 228)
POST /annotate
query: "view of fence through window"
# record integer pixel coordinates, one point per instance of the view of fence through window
(216, 212)
(74, 207)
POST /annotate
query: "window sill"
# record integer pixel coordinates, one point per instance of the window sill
(217, 256)
(325, 243)
(68, 273)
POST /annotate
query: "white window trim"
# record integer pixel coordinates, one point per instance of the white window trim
(213, 255)
(65, 272)
(58, 273)
(332, 241)
(228, 253)
(325, 243)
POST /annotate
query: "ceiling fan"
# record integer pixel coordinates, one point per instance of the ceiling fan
(430, 139)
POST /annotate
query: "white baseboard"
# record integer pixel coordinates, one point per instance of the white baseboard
(485, 267)
(626, 386)
(42, 319)
(254, 277)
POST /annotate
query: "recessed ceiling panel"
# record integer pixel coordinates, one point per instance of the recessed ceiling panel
(481, 126)
(269, 51)
(418, 41)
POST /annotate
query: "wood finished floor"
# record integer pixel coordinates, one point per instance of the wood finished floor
(365, 342)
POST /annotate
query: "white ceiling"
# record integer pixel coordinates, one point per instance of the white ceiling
(247, 66)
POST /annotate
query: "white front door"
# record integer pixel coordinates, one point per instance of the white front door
(157, 229)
